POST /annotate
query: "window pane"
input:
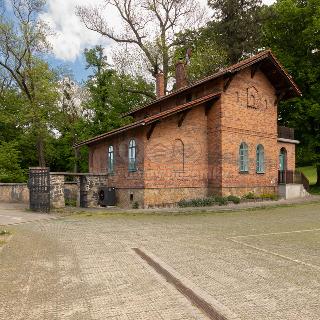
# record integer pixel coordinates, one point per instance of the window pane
(243, 155)
(260, 159)
(132, 155)
(110, 159)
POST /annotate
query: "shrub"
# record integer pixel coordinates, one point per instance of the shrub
(271, 196)
(4, 232)
(249, 196)
(221, 200)
(135, 205)
(234, 199)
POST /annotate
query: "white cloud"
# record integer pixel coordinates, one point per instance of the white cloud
(71, 36)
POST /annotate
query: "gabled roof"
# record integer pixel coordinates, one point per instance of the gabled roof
(151, 119)
(268, 64)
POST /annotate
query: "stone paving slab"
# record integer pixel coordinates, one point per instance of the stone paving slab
(83, 267)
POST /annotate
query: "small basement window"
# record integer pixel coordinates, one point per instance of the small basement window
(131, 197)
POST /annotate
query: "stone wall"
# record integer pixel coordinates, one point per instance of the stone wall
(14, 192)
(71, 192)
(88, 189)
(57, 190)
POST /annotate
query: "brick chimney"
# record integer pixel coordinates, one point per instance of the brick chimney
(160, 85)
(181, 78)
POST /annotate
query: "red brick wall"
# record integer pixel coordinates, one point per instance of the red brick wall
(210, 144)
(252, 120)
(164, 166)
(121, 178)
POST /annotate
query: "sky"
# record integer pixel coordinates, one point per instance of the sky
(70, 37)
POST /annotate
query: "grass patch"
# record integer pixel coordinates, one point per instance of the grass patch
(310, 172)
(4, 232)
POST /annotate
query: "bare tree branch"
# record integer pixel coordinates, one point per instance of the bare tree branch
(150, 25)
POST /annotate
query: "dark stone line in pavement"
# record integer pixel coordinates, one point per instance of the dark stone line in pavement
(195, 299)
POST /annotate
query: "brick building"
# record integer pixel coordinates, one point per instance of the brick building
(218, 135)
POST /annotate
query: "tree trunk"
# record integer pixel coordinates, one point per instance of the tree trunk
(40, 150)
(76, 160)
(318, 175)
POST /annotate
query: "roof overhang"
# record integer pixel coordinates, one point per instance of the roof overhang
(268, 64)
(157, 117)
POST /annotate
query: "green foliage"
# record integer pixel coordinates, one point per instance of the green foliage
(249, 196)
(203, 202)
(310, 172)
(4, 232)
(292, 32)
(234, 199)
(237, 25)
(207, 55)
(135, 205)
(268, 196)
(111, 93)
(10, 158)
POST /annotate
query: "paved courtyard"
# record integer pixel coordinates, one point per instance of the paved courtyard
(257, 264)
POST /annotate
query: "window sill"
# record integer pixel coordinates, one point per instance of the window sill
(260, 172)
(244, 172)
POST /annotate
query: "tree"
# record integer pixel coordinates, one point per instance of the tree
(10, 158)
(293, 35)
(206, 54)
(22, 40)
(111, 94)
(237, 25)
(149, 25)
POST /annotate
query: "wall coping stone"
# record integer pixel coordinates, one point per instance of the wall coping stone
(77, 174)
(288, 140)
(13, 184)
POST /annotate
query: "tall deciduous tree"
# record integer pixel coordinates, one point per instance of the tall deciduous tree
(149, 25)
(206, 55)
(111, 94)
(293, 34)
(22, 40)
(237, 25)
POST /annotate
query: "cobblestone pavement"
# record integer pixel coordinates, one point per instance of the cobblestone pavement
(261, 265)
(14, 213)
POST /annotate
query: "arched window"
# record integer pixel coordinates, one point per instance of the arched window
(243, 156)
(110, 159)
(132, 155)
(178, 155)
(260, 159)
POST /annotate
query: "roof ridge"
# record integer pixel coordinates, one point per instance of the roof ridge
(197, 82)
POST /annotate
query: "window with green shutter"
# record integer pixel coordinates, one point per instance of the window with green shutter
(243, 158)
(260, 159)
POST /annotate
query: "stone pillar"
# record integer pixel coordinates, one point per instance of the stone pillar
(57, 191)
